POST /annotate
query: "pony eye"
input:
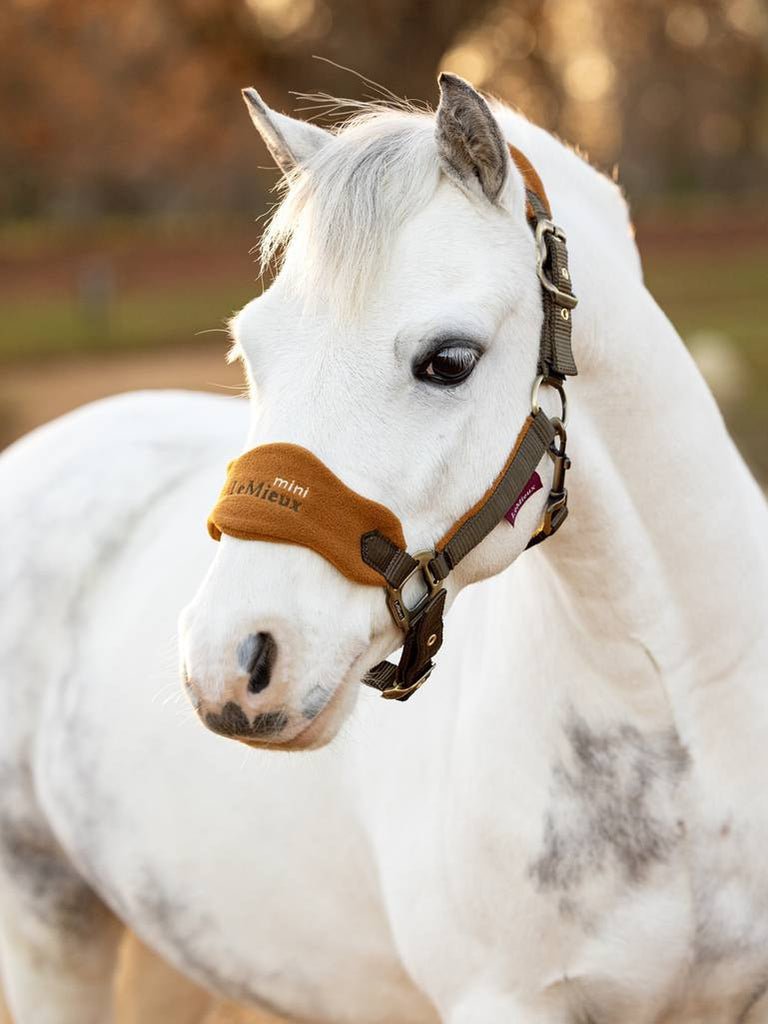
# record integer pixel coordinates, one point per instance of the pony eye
(449, 365)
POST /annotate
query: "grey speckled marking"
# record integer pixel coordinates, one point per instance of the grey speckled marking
(193, 943)
(232, 721)
(315, 700)
(51, 889)
(610, 806)
(755, 996)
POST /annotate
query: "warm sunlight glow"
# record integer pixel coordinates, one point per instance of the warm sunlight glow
(687, 25)
(747, 16)
(589, 76)
(468, 61)
(281, 18)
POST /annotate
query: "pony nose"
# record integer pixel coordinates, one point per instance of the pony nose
(256, 655)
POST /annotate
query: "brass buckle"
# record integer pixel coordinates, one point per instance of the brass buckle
(556, 508)
(401, 613)
(555, 514)
(546, 227)
(556, 511)
(403, 692)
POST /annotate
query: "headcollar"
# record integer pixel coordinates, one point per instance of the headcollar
(284, 493)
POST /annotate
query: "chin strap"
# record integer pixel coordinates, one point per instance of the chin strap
(541, 435)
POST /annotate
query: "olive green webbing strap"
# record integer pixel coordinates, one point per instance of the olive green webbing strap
(394, 564)
(537, 436)
(555, 350)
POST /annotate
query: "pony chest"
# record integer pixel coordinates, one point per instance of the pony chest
(614, 811)
(631, 877)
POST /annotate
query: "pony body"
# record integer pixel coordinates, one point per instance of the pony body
(564, 825)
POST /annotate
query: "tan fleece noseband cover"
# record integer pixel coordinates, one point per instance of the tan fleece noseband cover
(284, 493)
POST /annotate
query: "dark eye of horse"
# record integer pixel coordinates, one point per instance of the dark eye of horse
(449, 365)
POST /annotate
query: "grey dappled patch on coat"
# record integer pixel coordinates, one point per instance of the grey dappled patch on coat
(193, 943)
(49, 886)
(610, 806)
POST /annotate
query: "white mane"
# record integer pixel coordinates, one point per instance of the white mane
(342, 209)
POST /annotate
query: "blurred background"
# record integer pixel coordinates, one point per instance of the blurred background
(131, 183)
(131, 179)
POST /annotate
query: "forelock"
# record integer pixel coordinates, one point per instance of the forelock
(342, 210)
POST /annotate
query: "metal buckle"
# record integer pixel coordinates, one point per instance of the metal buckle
(557, 385)
(556, 508)
(401, 613)
(546, 227)
(555, 514)
(403, 692)
(556, 511)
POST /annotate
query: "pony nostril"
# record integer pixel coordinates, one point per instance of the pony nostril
(256, 655)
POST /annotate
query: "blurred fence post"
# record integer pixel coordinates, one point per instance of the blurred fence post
(96, 287)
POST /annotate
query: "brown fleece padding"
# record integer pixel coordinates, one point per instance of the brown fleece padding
(284, 493)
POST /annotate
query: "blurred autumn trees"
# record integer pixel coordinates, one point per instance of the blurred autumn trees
(116, 106)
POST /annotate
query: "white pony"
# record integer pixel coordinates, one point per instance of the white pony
(568, 822)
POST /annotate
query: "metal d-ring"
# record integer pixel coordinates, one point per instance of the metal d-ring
(557, 385)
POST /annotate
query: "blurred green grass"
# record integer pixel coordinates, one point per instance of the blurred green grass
(722, 293)
(140, 287)
(706, 292)
(54, 325)
(715, 292)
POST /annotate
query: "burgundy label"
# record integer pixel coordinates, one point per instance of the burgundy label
(533, 485)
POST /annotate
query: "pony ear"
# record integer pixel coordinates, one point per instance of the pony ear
(471, 147)
(290, 142)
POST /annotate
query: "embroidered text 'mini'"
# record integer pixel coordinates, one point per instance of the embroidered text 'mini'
(292, 487)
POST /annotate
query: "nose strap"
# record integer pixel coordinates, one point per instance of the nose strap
(284, 493)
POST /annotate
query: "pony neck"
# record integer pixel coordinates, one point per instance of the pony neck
(666, 545)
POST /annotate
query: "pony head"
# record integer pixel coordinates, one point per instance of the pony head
(398, 343)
